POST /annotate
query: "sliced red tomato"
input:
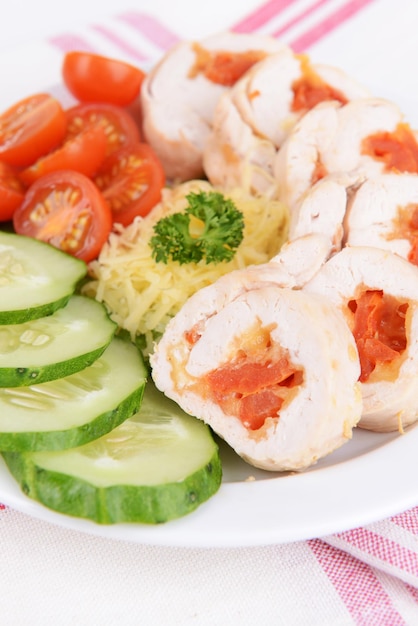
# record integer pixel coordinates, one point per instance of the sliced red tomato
(256, 408)
(253, 390)
(378, 328)
(310, 88)
(224, 67)
(94, 78)
(398, 150)
(82, 153)
(131, 181)
(66, 210)
(247, 378)
(31, 128)
(119, 126)
(12, 192)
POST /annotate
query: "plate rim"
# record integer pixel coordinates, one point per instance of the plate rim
(231, 524)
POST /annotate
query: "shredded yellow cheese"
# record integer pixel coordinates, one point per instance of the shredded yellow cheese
(142, 295)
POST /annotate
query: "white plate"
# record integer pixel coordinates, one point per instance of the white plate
(370, 478)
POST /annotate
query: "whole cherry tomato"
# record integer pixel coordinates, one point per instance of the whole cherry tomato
(94, 78)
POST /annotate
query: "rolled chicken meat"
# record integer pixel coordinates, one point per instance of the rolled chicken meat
(252, 120)
(276, 92)
(384, 213)
(234, 156)
(296, 263)
(323, 209)
(367, 137)
(273, 371)
(180, 92)
(377, 292)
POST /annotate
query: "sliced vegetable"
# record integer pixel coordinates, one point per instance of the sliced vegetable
(95, 78)
(211, 228)
(66, 210)
(82, 153)
(35, 278)
(12, 191)
(31, 128)
(55, 346)
(158, 465)
(74, 410)
(119, 126)
(398, 149)
(224, 67)
(131, 181)
(378, 328)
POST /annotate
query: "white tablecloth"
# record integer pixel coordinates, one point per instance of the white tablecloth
(50, 575)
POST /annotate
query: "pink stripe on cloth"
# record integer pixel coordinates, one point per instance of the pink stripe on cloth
(413, 591)
(119, 42)
(300, 17)
(328, 24)
(358, 587)
(261, 15)
(152, 28)
(407, 520)
(68, 42)
(382, 549)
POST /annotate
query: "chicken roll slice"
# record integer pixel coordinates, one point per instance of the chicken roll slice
(384, 213)
(323, 209)
(236, 157)
(276, 92)
(297, 262)
(179, 94)
(253, 119)
(274, 372)
(368, 136)
(377, 291)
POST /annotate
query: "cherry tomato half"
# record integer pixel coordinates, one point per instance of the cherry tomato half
(119, 126)
(31, 128)
(94, 78)
(82, 153)
(66, 210)
(131, 181)
(12, 192)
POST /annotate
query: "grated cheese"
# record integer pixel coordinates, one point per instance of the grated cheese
(142, 295)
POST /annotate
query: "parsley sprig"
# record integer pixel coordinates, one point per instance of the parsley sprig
(210, 228)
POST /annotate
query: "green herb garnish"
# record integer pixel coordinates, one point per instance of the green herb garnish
(210, 228)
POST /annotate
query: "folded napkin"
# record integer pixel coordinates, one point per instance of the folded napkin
(370, 572)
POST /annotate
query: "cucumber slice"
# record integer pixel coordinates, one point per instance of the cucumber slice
(158, 465)
(36, 279)
(72, 411)
(55, 346)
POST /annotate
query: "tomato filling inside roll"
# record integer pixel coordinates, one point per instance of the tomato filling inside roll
(406, 226)
(319, 172)
(310, 89)
(398, 150)
(223, 67)
(378, 329)
(254, 385)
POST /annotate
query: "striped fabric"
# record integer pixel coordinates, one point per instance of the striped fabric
(136, 36)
